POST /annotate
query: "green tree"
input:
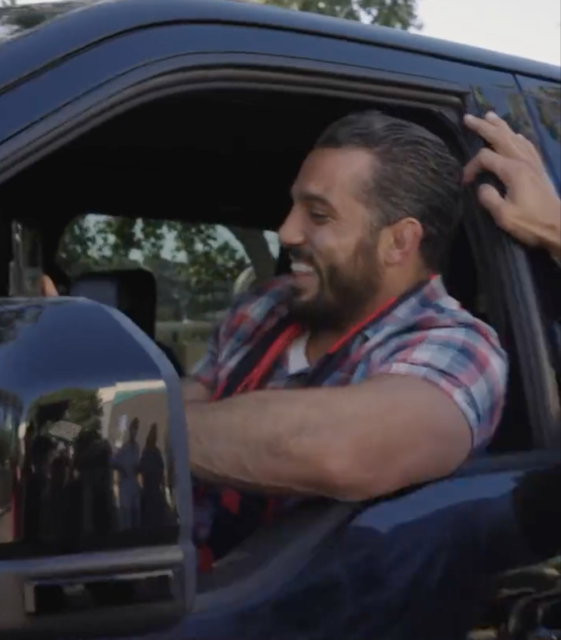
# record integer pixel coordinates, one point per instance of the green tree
(399, 14)
(79, 406)
(194, 265)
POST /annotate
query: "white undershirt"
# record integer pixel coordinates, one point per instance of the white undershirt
(297, 360)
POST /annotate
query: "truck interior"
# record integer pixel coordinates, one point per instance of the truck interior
(229, 156)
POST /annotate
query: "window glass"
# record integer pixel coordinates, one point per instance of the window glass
(547, 99)
(544, 100)
(197, 268)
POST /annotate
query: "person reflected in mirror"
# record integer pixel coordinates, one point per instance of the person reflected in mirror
(152, 471)
(37, 523)
(127, 462)
(93, 484)
(102, 503)
(531, 208)
(59, 479)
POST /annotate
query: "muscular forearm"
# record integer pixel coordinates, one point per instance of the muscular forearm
(349, 443)
(254, 442)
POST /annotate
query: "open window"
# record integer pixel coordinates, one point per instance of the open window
(190, 187)
(181, 276)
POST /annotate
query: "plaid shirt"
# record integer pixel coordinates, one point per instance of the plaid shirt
(427, 335)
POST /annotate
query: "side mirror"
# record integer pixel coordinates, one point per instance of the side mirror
(95, 496)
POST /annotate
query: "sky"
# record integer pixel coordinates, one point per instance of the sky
(530, 28)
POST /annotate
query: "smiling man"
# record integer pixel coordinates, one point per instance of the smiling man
(356, 375)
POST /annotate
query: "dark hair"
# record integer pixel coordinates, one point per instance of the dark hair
(414, 175)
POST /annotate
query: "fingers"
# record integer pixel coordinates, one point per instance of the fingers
(48, 289)
(496, 205)
(530, 153)
(486, 160)
(496, 132)
(502, 138)
(491, 199)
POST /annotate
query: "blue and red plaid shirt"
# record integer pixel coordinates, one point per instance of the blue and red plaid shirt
(427, 335)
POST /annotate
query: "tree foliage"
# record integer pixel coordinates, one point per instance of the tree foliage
(399, 14)
(79, 406)
(194, 265)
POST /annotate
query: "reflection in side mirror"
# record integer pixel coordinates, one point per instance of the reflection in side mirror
(93, 470)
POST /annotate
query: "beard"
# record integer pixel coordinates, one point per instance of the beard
(344, 289)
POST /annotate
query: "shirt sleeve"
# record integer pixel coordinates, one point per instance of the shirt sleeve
(467, 363)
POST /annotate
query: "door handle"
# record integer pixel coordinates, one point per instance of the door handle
(83, 581)
(84, 592)
(104, 593)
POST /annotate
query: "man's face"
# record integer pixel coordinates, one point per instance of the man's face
(330, 236)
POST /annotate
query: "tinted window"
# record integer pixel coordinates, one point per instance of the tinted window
(545, 105)
(544, 101)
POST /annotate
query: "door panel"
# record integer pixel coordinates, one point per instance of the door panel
(423, 564)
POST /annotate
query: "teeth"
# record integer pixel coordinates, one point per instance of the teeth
(300, 267)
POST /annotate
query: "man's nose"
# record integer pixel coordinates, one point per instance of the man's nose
(291, 232)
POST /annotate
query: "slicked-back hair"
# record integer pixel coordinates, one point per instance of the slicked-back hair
(414, 175)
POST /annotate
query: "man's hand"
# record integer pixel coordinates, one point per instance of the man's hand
(48, 289)
(531, 209)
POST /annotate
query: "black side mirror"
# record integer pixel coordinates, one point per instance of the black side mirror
(95, 497)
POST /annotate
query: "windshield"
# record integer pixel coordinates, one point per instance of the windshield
(18, 19)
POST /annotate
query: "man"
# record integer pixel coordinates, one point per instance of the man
(356, 375)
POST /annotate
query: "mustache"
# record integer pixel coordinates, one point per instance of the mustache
(302, 255)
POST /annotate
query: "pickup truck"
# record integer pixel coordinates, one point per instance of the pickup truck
(188, 114)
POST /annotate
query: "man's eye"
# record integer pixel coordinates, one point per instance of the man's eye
(318, 216)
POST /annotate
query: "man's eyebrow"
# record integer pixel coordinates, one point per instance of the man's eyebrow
(309, 196)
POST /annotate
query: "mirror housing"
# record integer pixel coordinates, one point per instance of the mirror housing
(95, 494)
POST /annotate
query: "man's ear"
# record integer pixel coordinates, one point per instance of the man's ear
(400, 241)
